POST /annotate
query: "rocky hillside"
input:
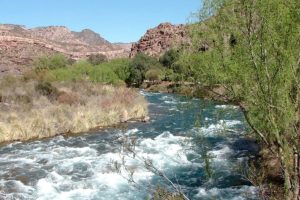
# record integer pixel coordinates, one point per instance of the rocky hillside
(19, 45)
(158, 40)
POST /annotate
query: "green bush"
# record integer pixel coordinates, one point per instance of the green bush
(140, 64)
(96, 59)
(169, 58)
(119, 66)
(55, 61)
(102, 74)
(154, 75)
(170, 75)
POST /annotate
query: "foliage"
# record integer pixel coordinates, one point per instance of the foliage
(154, 75)
(97, 59)
(119, 66)
(55, 61)
(83, 70)
(255, 57)
(140, 64)
(46, 89)
(169, 58)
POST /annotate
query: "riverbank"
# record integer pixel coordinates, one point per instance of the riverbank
(215, 93)
(35, 110)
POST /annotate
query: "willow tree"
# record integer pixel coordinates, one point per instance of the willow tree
(253, 51)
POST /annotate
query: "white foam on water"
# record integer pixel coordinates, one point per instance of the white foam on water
(231, 193)
(226, 107)
(221, 154)
(216, 129)
(15, 186)
(132, 131)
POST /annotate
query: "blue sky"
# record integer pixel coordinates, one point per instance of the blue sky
(115, 20)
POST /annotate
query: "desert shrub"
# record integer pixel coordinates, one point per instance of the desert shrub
(38, 75)
(96, 59)
(154, 75)
(69, 98)
(46, 89)
(55, 61)
(140, 64)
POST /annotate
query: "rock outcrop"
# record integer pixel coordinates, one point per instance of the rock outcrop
(19, 45)
(158, 40)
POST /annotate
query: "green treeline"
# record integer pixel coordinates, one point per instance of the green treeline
(97, 68)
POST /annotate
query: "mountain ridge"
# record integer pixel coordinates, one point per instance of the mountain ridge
(20, 45)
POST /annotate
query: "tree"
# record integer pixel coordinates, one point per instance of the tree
(140, 64)
(255, 56)
(169, 58)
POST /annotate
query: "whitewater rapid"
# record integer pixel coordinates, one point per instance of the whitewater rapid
(180, 133)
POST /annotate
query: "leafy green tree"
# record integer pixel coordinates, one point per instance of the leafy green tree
(119, 66)
(255, 57)
(140, 64)
(169, 58)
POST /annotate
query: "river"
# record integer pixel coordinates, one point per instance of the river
(199, 145)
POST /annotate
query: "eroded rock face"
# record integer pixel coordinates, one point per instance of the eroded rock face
(158, 40)
(19, 45)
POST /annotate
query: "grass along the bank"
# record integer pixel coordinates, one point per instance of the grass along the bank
(32, 109)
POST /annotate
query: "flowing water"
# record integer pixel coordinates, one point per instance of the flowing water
(199, 145)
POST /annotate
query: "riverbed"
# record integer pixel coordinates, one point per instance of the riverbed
(200, 146)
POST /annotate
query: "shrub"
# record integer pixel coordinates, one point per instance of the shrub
(169, 58)
(154, 75)
(102, 75)
(140, 64)
(69, 98)
(51, 62)
(46, 89)
(96, 59)
(119, 66)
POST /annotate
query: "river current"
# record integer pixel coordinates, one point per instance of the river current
(198, 145)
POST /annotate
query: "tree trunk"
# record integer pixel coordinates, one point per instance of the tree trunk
(296, 181)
